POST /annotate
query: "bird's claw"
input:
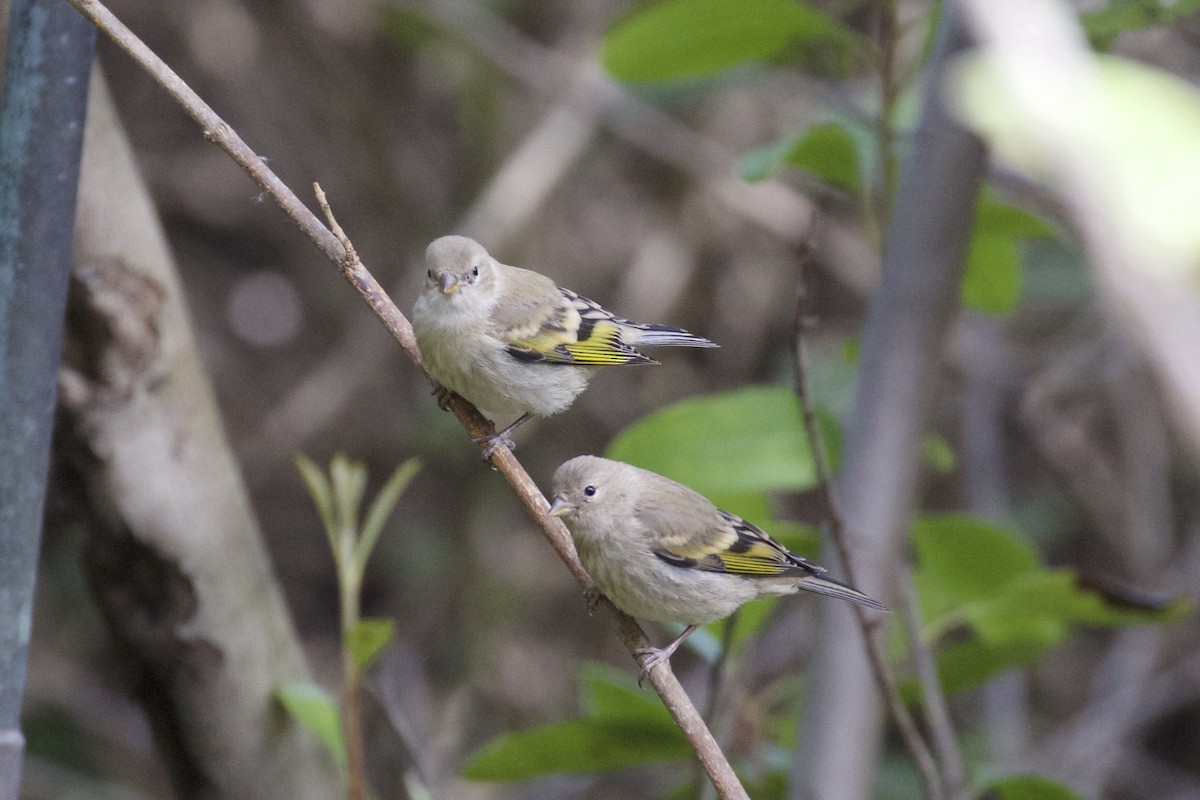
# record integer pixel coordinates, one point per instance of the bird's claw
(649, 658)
(443, 396)
(493, 442)
(592, 596)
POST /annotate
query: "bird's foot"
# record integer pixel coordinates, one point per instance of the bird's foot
(651, 657)
(592, 596)
(494, 441)
(443, 396)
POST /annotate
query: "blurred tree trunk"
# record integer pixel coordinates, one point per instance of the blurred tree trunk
(175, 556)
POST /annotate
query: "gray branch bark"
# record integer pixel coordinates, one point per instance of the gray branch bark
(175, 557)
(907, 322)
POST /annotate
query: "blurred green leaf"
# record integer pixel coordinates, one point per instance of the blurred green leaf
(1028, 787)
(937, 453)
(315, 709)
(368, 637)
(321, 493)
(826, 151)
(382, 507)
(622, 726)
(992, 282)
(972, 572)
(577, 746)
(1105, 24)
(349, 480)
(679, 39)
(612, 694)
(966, 665)
(962, 559)
(747, 440)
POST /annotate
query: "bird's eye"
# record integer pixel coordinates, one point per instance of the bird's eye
(474, 273)
(430, 274)
(589, 490)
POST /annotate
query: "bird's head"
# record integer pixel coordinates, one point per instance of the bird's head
(587, 487)
(459, 271)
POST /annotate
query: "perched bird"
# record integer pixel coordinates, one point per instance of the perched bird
(661, 551)
(511, 341)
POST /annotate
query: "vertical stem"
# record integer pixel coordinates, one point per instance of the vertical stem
(937, 714)
(351, 586)
(41, 137)
(884, 129)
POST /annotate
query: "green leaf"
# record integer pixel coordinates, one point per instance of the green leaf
(315, 709)
(963, 559)
(747, 440)
(613, 695)
(967, 665)
(367, 638)
(1029, 787)
(382, 507)
(575, 747)
(349, 481)
(320, 491)
(1105, 24)
(679, 39)
(992, 282)
(826, 151)
(937, 453)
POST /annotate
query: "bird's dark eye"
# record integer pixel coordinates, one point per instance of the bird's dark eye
(430, 274)
(589, 490)
(474, 273)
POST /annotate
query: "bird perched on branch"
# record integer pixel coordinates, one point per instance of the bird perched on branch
(661, 551)
(512, 342)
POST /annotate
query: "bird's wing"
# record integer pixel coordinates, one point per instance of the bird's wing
(539, 322)
(712, 540)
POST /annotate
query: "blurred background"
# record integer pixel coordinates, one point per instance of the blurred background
(497, 120)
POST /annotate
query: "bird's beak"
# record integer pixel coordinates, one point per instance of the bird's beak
(559, 507)
(450, 283)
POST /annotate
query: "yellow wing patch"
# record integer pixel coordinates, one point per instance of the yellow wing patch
(587, 343)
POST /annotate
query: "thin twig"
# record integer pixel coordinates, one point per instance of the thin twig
(885, 134)
(905, 724)
(219, 132)
(937, 715)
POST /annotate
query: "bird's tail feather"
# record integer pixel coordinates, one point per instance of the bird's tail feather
(663, 335)
(831, 588)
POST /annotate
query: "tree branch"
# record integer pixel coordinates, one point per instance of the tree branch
(218, 131)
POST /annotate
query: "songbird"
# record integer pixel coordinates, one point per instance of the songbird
(512, 342)
(661, 551)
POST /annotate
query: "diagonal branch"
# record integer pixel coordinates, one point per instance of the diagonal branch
(219, 132)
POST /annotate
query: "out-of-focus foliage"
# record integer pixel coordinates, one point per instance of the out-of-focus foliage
(621, 726)
(826, 151)
(317, 710)
(699, 38)
(1136, 127)
(976, 575)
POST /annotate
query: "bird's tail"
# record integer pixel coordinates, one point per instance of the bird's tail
(639, 334)
(831, 588)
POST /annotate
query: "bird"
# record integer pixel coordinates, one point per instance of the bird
(661, 551)
(513, 342)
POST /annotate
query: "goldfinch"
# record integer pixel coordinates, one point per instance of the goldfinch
(511, 341)
(661, 551)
